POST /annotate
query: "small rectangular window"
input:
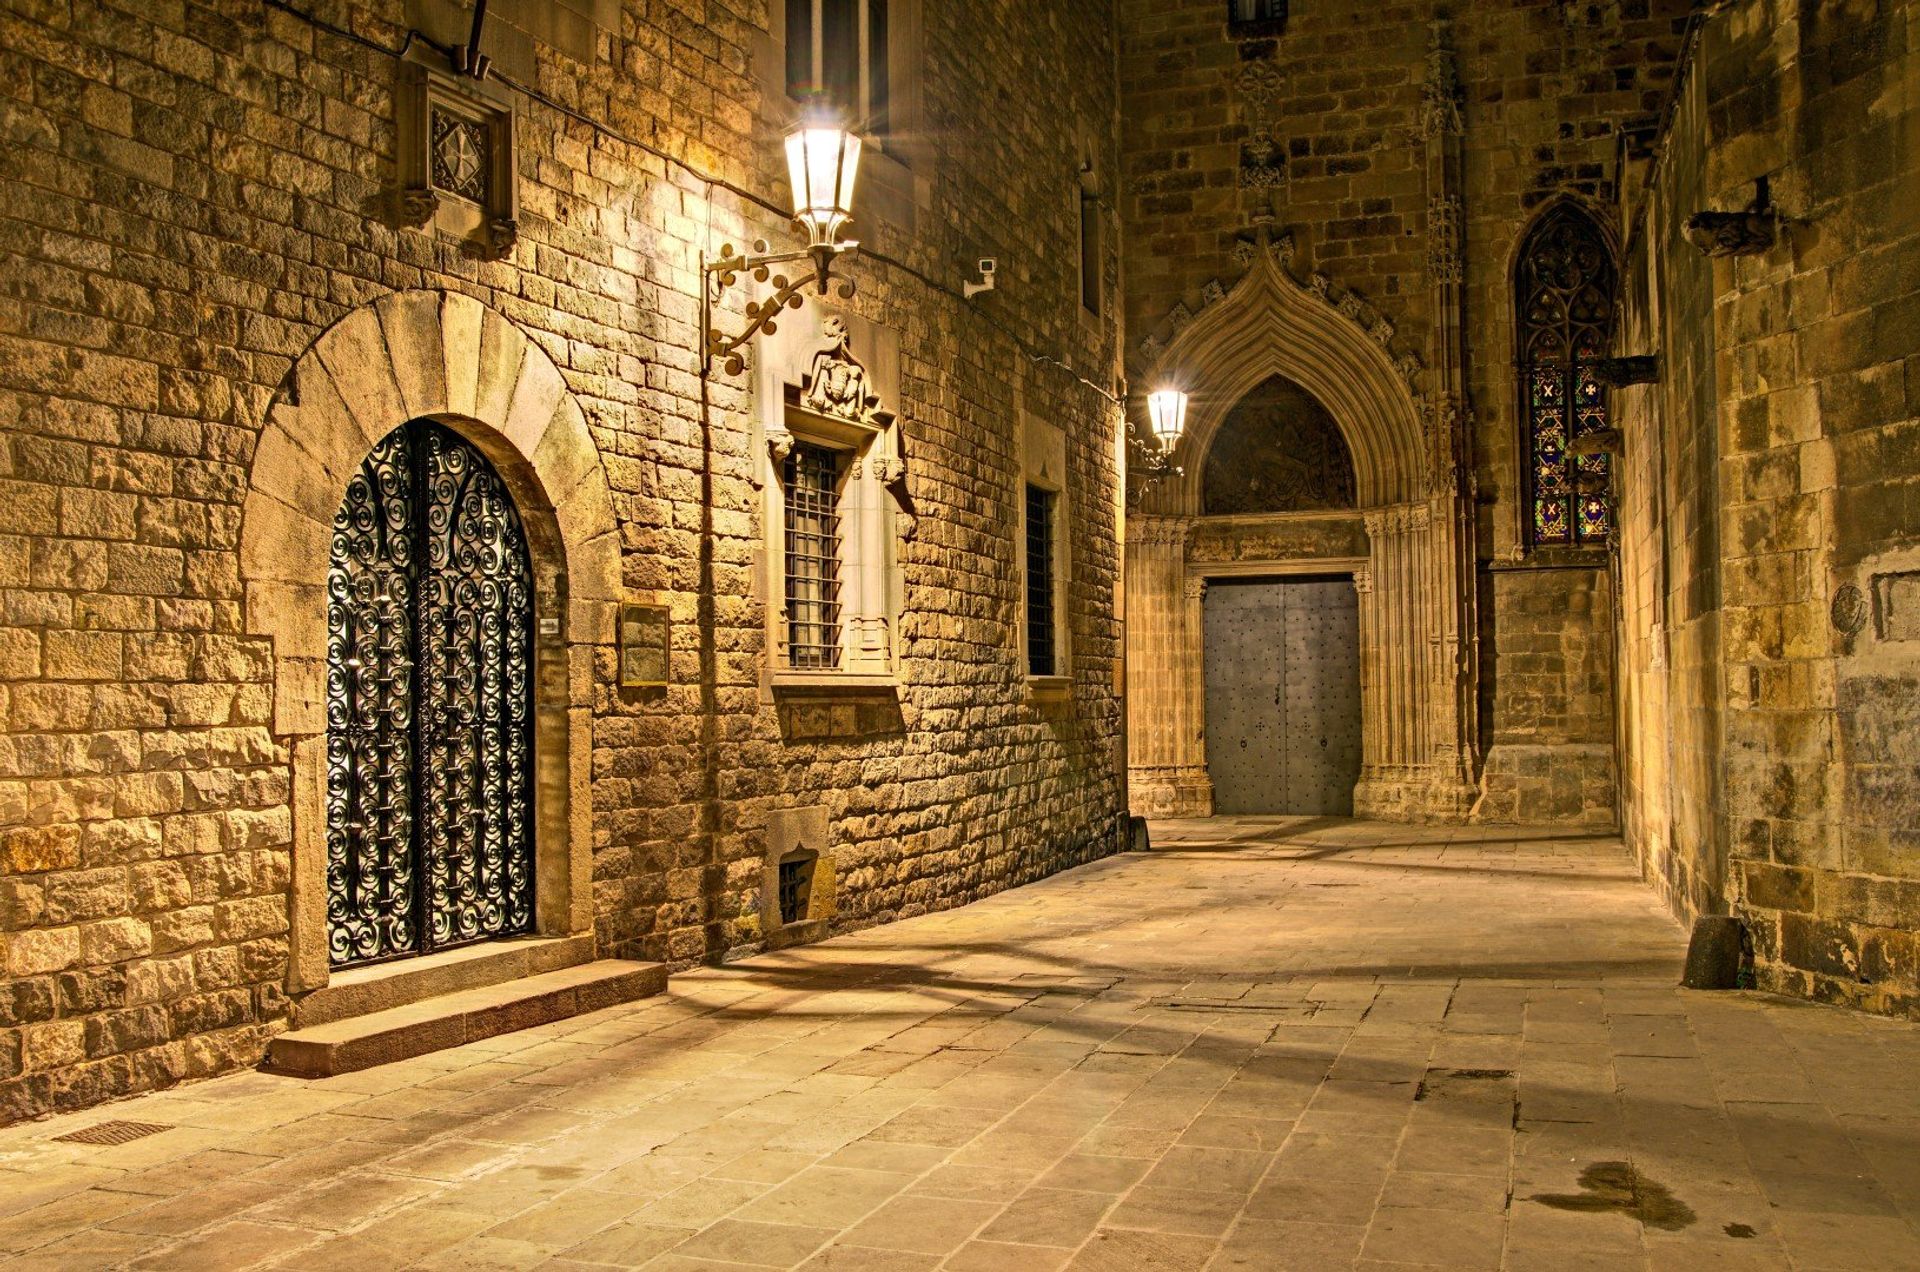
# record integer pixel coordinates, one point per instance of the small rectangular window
(1040, 583)
(1256, 10)
(796, 888)
(1092, 253)
(812, 476)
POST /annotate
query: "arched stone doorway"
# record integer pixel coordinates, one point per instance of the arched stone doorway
(448, 360)
(1397, 543)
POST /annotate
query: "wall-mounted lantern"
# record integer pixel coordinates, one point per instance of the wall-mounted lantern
(1167, 409)
(823, 162)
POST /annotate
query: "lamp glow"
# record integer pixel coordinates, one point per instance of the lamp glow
(822, 164)
(1168, 411)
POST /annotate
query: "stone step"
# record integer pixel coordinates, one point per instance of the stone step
(448, 1020)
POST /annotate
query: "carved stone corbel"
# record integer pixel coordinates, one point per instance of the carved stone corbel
(417, 206)
(1618, 373)
(780, 444)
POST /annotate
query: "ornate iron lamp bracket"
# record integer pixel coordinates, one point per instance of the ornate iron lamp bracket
(722, 273)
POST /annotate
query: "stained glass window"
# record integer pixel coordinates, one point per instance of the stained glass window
(1565, 297)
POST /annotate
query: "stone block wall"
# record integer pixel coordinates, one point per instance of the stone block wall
(192, 192)
(1548, 700)
(1818, 529)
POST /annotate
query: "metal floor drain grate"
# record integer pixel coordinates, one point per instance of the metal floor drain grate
(112, 1133)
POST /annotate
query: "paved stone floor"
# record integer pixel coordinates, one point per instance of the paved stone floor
(1271, 1044)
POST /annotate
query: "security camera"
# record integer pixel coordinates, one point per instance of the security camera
(987, 267)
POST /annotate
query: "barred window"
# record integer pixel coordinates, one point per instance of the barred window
(1040, 583)
(837, 50)
(1564, 285)
(812, 476)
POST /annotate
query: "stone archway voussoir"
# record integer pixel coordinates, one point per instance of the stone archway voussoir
(539, 398)
(410, 326)
(461, 320)
(503, 348)
(354, 352)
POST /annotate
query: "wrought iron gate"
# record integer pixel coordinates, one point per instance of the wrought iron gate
(1283, 695)
(429, 703)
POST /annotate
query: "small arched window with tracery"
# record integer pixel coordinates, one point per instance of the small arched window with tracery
(1564, 283)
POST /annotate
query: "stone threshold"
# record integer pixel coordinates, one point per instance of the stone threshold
(467, 1015)
(360, 991)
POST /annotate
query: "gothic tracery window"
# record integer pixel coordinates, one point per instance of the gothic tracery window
(1564, 283)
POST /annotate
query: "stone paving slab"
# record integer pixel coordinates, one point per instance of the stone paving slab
(1270, 1044)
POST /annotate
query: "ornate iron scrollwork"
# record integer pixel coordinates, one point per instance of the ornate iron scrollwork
(429, 704)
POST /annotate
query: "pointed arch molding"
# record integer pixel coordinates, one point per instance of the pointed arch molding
(1414, 727)
(448, 357)
(1269, 324)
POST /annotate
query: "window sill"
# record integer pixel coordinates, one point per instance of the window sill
(1556, 558)
(1049, 688)
(830, 684)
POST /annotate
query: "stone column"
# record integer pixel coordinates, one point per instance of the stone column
(1166, 687)
(1399, 613)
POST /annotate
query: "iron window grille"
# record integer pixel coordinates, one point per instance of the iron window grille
(796, 889)
(1041, 660)
(1565, 282)
(837, 51)
(813, 557)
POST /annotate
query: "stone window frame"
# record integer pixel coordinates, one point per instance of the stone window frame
(1523, 548)
(428, 354)
(491, 224)
(868, 559)
(1044, 465)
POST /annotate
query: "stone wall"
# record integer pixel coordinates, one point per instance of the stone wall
(192, 193)
(1553, 97)
(1811, 447)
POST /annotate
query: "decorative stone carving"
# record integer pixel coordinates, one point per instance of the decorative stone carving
(1351, 305)
(1152, 347)
(1195, 589)
(1848, 613)
(1160, 532)
(417, 206)
(889, 471)
(1745, 233)
(1618, 373)
(1382, 332)
(1321, 286)
(1363, 581)
(1212, 293)
(1180, 317)
(837, 384)
(1244, 252)
(1259, 84)
(1408, 365)
(1731, 233)
(1440, 96)
(1443, 239)
(502, 234)
(780, 444)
